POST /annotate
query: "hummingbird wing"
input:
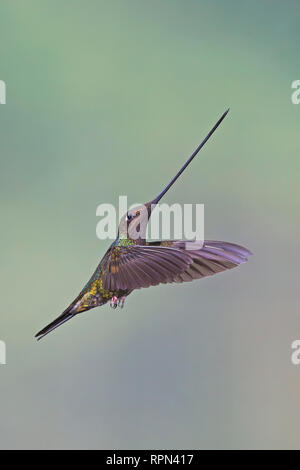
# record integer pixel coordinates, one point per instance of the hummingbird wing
(208, 258)
(136, 266)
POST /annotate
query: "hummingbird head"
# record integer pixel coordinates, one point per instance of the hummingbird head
(134, 223)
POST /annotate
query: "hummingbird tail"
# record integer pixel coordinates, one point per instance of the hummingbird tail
(65, 316)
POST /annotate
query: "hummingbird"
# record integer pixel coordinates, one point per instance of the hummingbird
(132, 263)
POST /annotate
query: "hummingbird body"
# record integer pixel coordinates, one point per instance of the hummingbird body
(133, 263)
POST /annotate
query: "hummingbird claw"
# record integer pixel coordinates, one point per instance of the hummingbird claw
(122, 301)
(114, 302)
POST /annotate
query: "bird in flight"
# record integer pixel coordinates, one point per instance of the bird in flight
(133, 263)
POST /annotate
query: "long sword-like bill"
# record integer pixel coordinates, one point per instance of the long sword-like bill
(158, 198)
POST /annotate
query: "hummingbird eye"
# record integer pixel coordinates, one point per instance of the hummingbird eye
(129, 216)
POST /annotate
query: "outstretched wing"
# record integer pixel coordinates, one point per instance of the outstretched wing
(139, 266)
(136, 266)
(209, 258)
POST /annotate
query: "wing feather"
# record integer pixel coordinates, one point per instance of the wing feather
(136, 266)
(210, 258)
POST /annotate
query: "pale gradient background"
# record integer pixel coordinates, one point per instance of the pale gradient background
(108, 98)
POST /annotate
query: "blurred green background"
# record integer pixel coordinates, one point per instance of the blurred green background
(108, 98)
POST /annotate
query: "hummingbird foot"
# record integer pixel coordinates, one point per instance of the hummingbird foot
(114, 302)
(122, 301)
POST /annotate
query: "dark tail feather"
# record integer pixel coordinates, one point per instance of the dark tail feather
(57, 322)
